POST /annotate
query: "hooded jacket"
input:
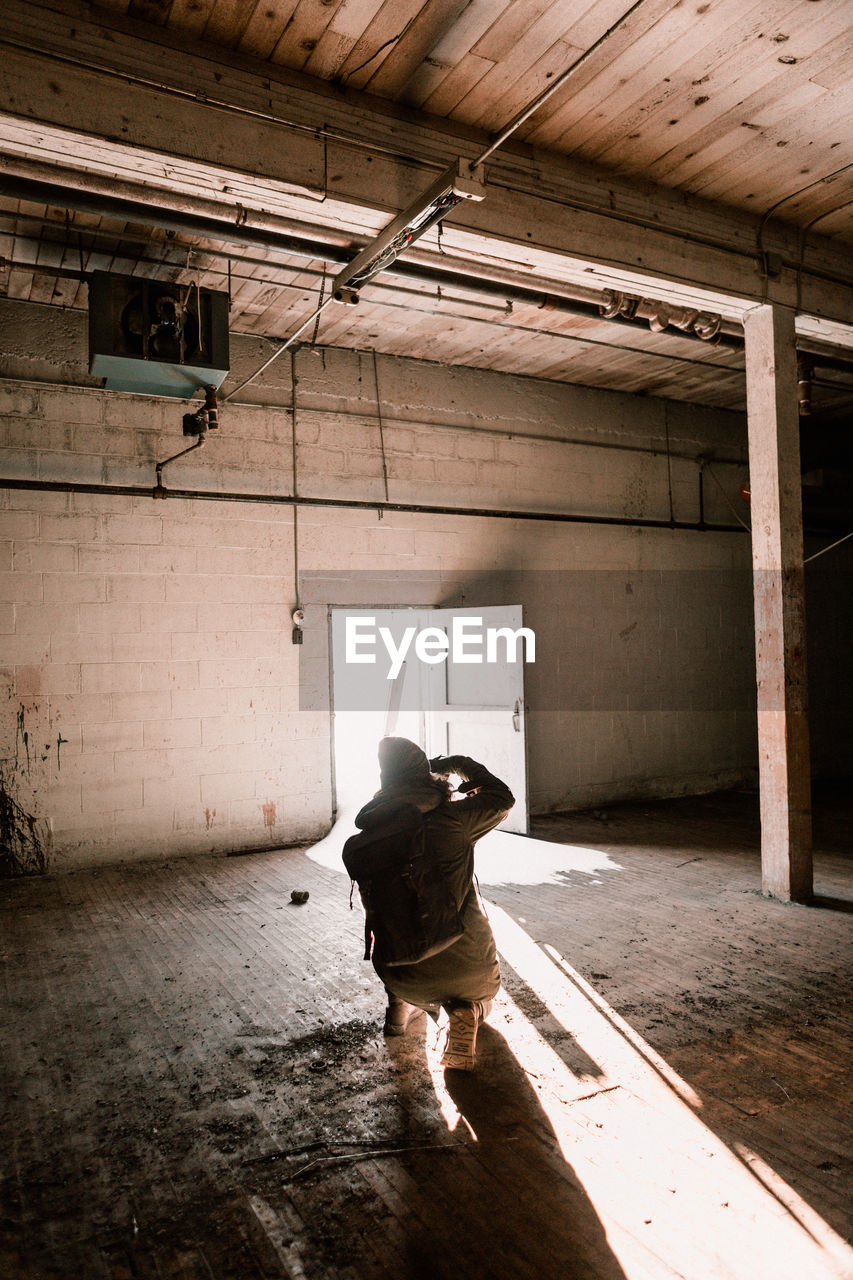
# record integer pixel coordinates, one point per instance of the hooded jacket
(468, 968)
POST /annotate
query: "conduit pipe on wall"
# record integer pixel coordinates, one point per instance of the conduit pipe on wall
(159, 490)
(360, 504)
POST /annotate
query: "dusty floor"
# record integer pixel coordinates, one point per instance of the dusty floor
(197, 1086)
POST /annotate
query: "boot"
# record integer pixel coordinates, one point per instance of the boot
(398, 1015)
(461, 1036)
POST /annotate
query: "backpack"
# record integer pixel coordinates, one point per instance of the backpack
(409, 910)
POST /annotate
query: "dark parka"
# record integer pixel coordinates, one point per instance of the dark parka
(467, 969)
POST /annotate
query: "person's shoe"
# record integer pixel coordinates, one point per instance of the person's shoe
(461, 1037)
(398, 1015)
(485, 1008)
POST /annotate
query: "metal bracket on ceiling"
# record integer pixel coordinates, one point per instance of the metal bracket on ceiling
(456, 184)
(660, 315)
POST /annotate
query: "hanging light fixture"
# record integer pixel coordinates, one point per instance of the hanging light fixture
(456, 184)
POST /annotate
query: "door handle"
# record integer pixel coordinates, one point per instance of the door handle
(516, 716)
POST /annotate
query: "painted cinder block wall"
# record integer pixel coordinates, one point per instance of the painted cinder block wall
(151, 691)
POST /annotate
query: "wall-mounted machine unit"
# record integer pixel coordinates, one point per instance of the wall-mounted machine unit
(156, 338)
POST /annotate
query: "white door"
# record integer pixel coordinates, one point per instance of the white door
(476, 708)
(470, 702)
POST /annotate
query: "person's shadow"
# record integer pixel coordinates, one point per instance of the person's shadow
(496, 1199)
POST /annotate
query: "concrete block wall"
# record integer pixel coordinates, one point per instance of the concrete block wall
(149, 684)
(151, 689)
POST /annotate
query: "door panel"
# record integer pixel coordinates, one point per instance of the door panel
(448, 707)
(477, 708)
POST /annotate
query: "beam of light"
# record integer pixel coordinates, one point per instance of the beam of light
(505, 858)
(797, 1207)
(502, 857)
(327, 852)
(674, 1199)
(659, 1064)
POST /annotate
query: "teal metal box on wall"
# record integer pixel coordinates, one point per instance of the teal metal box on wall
(155, 337)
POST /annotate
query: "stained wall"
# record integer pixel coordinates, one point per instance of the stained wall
(153, 700)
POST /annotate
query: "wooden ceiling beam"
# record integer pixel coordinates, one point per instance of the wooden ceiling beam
(111, 99)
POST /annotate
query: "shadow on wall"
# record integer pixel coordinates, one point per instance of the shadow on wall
(607, 640)
(622, 640)
(660, 662)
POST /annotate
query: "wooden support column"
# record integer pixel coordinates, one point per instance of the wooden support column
(779, 591)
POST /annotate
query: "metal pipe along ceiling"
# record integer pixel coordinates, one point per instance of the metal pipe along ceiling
(321, 250)
(560, 300)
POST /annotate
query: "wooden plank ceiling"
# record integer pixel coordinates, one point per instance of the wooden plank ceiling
(745, 102)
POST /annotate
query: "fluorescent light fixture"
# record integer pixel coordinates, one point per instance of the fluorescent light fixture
(456, 184)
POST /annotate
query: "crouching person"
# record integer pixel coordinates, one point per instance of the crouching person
(413, 859)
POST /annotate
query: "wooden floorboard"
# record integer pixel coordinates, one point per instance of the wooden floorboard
(196, 1086)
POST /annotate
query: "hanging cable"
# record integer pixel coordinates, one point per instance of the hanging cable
(296, 635)
(824, 550)
(668, 461)
(319, 308)
(765, 217)
(286, 345)
(801, 245)
(294, 487)
(827, 177)
(729, 504)
(381, 428)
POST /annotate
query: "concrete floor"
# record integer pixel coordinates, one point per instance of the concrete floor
(197, 1085)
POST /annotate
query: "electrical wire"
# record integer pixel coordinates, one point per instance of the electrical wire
(668, 461)
(221, 104)
(319, 304)
(807, 559)
(824, 550)
(768, 213)
(729, 504)
(381, 427)
(294, 486)
(801, 244)
(286, 345)
(827, 177)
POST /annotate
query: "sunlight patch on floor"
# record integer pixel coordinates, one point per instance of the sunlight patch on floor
(501, 858)
(674, 1199)
(327, 852)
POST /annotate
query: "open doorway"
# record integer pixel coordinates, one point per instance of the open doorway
(448, 706)
(451, 680)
